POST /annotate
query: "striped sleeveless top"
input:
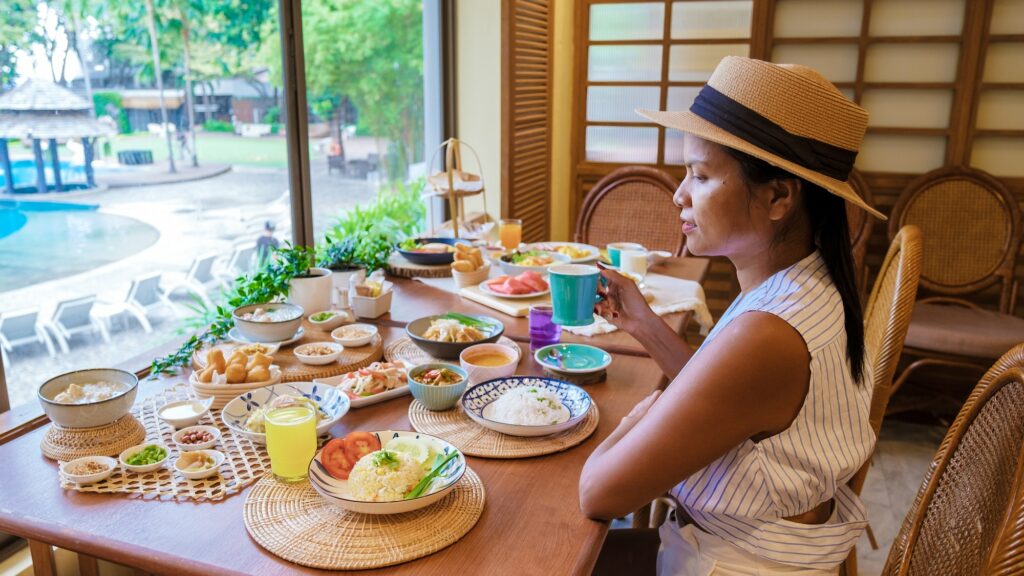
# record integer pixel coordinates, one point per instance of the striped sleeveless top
(744, 495)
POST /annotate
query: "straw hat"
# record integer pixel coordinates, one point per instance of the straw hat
(785, 114)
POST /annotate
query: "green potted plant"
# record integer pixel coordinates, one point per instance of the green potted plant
(310, 287)
(339, 256)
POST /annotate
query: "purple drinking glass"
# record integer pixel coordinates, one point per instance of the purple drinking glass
(543, 332)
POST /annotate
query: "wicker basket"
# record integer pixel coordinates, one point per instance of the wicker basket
(464, 279)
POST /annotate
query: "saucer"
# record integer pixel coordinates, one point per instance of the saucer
(235, 335)
(575, 358)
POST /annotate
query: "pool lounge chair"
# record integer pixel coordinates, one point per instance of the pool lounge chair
(199, 275)
(74, 317)
(241, 262)
(144, 295)
(23, 327)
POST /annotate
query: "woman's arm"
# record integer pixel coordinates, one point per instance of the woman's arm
(625, 307)
(751, 380)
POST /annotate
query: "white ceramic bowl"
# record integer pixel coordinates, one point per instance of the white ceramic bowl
(110, 463)
(478, 402)
(340, 317)
(218, 459)
(93, 414)
(145, 467)
(355, 342)
(301, 352)
(336, 491)
(275, 331)
(332, 401)
(183, 447)
(479, 373)
(181, 422)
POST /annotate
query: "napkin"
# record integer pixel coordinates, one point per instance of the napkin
(670, 295)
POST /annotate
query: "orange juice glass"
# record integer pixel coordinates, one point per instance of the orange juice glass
(510, 233)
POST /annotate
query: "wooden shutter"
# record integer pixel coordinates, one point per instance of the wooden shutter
(527, 56)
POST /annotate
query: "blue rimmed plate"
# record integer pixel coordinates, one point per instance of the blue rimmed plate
(573, 358)
(336, 491)
(477, 403)
(331, 400)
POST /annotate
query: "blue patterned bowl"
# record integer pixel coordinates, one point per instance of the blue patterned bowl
(437, 397)
(331, 400)
(336, 491)
(477, 400)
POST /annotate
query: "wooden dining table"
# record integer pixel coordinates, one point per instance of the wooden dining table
(531, 522)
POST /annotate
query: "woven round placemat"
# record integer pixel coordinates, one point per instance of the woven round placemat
(399, 266)
(407, 351)
(66, 444)
(295, 523)
(246, 462)
(292, 370)
(475, 440)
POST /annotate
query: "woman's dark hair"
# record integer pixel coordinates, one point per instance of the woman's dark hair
(827, 214)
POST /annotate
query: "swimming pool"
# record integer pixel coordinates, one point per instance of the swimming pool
(24, 171)
(41, 241)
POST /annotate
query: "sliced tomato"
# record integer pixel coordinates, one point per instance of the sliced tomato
(359, 444)
(336, 460)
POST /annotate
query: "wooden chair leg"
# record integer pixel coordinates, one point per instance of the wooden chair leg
(43, 563)
(642, 517)
(849, 566)
(871, 538)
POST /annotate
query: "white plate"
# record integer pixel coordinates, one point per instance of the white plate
(487, 290)
(236, 336)
(336, 491)
(332, 401)
(595, 252)
(365, 400)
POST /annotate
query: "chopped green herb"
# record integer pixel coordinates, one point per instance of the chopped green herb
(385, 458)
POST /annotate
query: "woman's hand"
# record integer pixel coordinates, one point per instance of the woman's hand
(623, 305)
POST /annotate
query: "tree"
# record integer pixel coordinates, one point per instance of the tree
(370, 52)
(17, 32)
(151, 24)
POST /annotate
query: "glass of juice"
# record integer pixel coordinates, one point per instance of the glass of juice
(543, 332)
(291, 442)
(510, 233)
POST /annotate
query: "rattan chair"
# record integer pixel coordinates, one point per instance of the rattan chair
(632, 204)
(971, 229)
(886, 318)
(968, 515)
(861, 224)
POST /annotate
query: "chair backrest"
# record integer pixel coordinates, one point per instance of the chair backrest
(75, 312)
(886, 320)
(19, 324)
(632, 204)
(242, 258)
(202, 268)
(956, 521)
(145, 290)
(971, 228)
(861, 223)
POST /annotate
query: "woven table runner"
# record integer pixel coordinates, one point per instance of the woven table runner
(246, 462)
(295, 523)
(475, 440)
(407, 351)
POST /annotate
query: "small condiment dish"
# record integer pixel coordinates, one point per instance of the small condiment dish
(303, 355)
(185, 447)
(143, 468)
(338, 317)
(110, 463)
(482, 372)
(218, 459)
(354, 341)
(177, 414)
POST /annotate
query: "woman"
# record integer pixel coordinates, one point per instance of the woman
(760, 428)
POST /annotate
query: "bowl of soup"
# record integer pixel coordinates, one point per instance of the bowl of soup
(88, 398)
(484, 362)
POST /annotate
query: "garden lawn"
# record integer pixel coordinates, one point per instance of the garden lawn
(219, 148)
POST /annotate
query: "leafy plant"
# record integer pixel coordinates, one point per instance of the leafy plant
(218, 126)
(270, 283)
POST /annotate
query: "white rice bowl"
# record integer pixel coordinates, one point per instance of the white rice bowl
(371, 483)
(529, 406)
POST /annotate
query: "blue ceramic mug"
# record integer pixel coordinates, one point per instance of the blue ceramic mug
(573, 293)
(615, 250)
